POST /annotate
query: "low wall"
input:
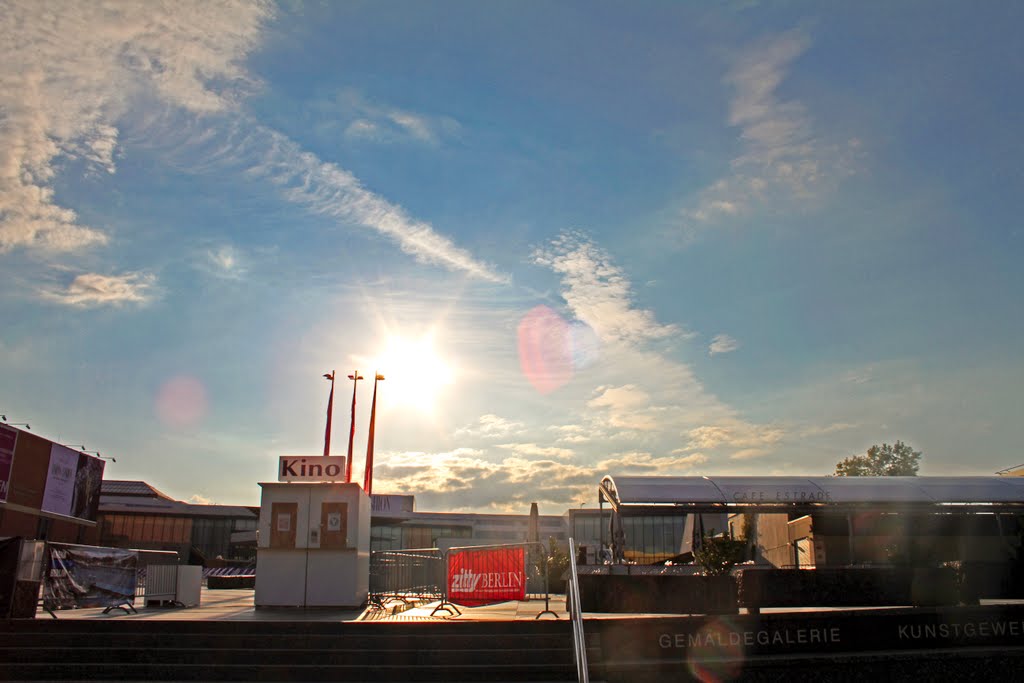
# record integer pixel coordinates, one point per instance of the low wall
(846, 587)
(658, 594)
(936, 643)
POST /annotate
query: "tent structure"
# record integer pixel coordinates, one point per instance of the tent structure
(779, 494)
(645, 500)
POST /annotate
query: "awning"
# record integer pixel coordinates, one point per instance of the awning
(780, 493)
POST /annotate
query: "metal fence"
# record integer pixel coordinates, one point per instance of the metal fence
(429, 575)
(146, 558)
(407, 575)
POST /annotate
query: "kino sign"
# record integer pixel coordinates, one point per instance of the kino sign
(311, 468)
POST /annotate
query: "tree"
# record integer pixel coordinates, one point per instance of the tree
(717, 554)
(897, 460)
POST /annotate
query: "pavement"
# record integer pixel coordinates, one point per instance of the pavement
(238, 605)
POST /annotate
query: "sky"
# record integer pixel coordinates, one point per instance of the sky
(577, 239)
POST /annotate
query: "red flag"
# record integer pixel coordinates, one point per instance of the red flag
(368, 470)
(330, 412)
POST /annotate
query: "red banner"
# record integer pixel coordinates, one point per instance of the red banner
(481, 577)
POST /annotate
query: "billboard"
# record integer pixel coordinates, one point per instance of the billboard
(487, 575)
(73, 482)
(8, 438)
(390, 504)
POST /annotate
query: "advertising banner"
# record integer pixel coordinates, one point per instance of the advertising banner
(60, 480)
(72, 483)
(88, 479)
(488, 575)
(86, 576)
(8, 438)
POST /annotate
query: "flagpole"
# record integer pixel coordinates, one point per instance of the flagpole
(355, 377)
(368, 470)
(330, 413)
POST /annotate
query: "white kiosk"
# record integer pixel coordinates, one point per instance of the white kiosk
(313, 547)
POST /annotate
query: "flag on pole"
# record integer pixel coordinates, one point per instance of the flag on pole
(330, 412)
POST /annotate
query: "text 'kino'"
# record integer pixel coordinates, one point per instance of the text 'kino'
(468, 581)
(329, 468)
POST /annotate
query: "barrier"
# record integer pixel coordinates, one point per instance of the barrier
(80, 576)
(406, 575)
(466, 575)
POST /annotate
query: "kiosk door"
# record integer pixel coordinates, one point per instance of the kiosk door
(283, 521)
(334, 525)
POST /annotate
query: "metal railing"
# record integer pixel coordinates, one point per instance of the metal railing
(576, 615)
(406, 575)
(146, 558)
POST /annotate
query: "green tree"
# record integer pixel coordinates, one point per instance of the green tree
(717, 554)
(897, 460)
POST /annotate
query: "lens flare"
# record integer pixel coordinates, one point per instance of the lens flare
(551, 350)
(181, 402)
(719, 653)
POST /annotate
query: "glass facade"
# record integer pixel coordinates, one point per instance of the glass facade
(649, 538)
(587, 528)
(211, 536)
(399, 537)
(144, 530)
(653, 538)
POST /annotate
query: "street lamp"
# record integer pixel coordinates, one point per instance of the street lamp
(81, 449)
(15, 424)
(368, 471)
(355, 377)
(330, 413)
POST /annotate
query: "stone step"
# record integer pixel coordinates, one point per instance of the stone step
(68, 671)
(212, 656)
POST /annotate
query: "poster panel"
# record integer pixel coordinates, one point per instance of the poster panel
(481, 577)
(8, 439)
(88, 479)
(86, 576)
(59, 491)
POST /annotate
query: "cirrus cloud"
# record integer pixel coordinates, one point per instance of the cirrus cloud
(93, 289)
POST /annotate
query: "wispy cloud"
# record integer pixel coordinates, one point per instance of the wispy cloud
(647, 397)
(490, 426)
(465, 479)
(833, 428)
(573, 433)
(241, 145)
(327, 189)
(598, 292)
(639, 462)
(780, 154)
(73, 76)
(744, 439)
(93, 289)
(625, 407)
(532, 450)
(376, 122)
(225, 261)
(71, 73)
(722, 343)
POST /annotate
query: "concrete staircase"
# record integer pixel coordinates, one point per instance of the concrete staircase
(112, 649)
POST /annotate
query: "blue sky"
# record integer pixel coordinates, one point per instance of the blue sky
(577, 238)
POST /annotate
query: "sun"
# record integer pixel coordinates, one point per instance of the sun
(416, 375)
